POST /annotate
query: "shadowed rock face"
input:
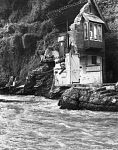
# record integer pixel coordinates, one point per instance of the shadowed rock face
(39, 82)
(101, 99)
(70, 99)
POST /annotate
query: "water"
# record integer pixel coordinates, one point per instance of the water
(41, 125)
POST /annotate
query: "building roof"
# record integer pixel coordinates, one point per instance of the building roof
(88, 17)
(91, 17)
(102, 17)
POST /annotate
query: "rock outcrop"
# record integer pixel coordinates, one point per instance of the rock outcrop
(70, 99)
(39, 82)
(104, 98)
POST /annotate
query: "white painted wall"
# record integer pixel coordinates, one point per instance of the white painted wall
(71, 74)
(91, 73)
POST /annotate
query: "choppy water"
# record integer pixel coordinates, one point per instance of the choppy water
(41, 125)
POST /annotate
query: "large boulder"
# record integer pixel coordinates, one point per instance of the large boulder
(70, 99)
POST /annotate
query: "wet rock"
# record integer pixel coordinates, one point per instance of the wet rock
(44, 85)
(99, 102)
(99, 99)
(57, 92)
(29, 86)
(70, 99)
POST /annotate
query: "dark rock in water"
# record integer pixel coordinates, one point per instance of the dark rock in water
(99, 99)
(70, 99)
(29, 86)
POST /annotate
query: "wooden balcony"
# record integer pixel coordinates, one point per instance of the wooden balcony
(93, 44)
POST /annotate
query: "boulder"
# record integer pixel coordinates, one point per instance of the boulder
(70, 99)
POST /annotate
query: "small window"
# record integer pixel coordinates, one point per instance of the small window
(95, 32)
(100, 32)
(91, 31)
(61, 38)
(94, 60)
(91, 60)
(85, 31)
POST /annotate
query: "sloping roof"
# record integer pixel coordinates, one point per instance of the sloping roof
(96, 5)
(91, 17)
(102, 17)
(88, 17)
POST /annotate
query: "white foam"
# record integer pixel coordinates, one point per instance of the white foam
(63, 124)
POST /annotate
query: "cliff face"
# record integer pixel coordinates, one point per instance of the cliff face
(14, 50)
(22, 34)
(24, 30)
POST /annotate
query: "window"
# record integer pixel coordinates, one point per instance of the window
(91, 31)
(91, 60)
(95, 32)
(85, 31)
(62, 43)
(61, 38)
(100, 32)
(94, 60)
